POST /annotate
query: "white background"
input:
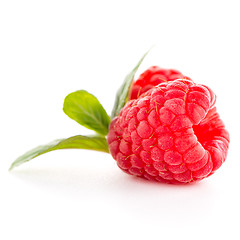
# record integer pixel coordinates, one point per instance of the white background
(51, 48)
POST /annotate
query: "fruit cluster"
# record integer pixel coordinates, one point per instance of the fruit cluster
(170, 133)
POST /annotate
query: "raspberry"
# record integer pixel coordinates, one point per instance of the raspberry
(152, 77)
(171, 133)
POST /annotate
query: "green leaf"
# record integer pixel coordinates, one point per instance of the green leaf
(85, 109)
(96, 143)
(123, 92)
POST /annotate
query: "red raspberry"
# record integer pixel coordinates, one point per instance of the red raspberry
(171, 133)
(152, 77)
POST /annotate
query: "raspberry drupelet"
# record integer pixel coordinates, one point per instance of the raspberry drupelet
(172, 133)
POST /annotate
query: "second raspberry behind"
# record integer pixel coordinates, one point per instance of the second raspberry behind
(152, 77)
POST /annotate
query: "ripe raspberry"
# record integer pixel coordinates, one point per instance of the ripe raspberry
(152, 77)
(171, 133)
